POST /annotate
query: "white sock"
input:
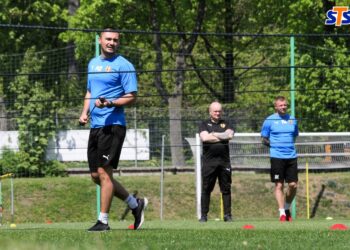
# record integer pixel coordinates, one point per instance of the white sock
(103, 217)
(131, 201)
(282, 211)
(286, 206)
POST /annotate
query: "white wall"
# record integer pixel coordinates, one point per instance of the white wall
(71, 145)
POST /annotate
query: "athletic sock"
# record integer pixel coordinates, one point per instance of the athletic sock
(131, 201)
(286, 206)
(282, 211)
(103, 217)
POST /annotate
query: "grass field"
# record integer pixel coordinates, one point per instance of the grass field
(54, 213)
(189, 234)
(73, 199)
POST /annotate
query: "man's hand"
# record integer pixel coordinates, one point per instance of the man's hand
(102, 102)
(83, 119)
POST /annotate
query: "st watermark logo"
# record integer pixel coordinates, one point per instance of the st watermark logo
(338, 16)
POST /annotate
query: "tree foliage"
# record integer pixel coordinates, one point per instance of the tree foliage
(35, 116)
(185, 68)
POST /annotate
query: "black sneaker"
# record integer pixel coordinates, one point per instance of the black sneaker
(99, 227)
(203, 218)
(228, 218)
(139, 212)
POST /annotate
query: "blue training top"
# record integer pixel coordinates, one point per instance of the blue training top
(119, 79)
(281, 131)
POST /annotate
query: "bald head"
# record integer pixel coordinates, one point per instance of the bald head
(215, 111)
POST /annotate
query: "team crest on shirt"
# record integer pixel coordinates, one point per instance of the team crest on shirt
(223, 125)
(290, 121)
(108, 69)
(98, 68)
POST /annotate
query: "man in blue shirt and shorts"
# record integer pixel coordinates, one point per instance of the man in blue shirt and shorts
(278, 133)
(111, 84)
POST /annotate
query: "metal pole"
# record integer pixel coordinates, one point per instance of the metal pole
(292, 77)
(12, 202)
(162, 178)
(292, 100)
(307, 190)
(98, 188)
(198, 175)
(135, 127)
(0, 204)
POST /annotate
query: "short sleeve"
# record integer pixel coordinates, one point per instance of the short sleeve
(265, 131)
(128, 78)
(202, 127)
(296, 128)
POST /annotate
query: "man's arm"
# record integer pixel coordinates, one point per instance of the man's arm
(265, 141)
(119, 102)
(225, 136)
(124, 100)
(208, 137)
(216, 137)
(84, 114)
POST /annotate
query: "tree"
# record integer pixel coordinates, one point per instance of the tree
(171, 91)
(35, 116)
(43, 12)
(17, 41)
(73, 5)
(225, 50)
(183, 48)
(323, 91)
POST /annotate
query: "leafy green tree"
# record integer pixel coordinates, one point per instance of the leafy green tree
(43, 12)
(324, 91)
(118, 14)
(35, 115)
(17, 41)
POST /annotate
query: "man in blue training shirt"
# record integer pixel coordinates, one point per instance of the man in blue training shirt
(111, 84)
(279, 132)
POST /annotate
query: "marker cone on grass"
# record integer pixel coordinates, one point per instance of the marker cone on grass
(339, 227)
(248, 226)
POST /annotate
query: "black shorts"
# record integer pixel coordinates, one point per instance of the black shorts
(284, 170)
(104, 146)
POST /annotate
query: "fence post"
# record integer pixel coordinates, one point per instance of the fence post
(162, 179)
(292, 102)
(135, 135)
(198, 175)
(98, 188)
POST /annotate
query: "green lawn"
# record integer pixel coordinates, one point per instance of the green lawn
(73, 199)
(177, 234)
(70, 204)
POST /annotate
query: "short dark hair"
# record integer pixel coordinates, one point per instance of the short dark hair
(108, 29)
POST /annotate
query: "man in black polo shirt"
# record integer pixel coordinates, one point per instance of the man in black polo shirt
(215, 134)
